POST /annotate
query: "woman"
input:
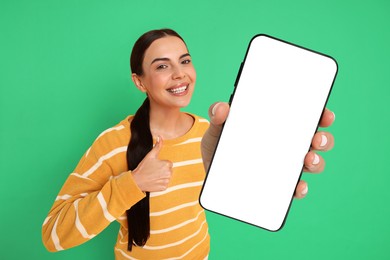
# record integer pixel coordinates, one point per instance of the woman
(147, 171)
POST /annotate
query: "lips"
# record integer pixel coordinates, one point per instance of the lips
(178, 89)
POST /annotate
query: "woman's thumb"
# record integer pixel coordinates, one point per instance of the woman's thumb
(156, 148)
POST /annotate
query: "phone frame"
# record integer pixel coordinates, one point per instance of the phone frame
(231, 101)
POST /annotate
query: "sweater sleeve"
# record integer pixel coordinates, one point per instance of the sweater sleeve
(91, 198)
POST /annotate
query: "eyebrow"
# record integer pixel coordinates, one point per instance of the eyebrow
(167, 59)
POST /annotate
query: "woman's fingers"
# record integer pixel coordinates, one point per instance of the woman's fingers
(327, 118)
(322, 141)
(313, 163)
(301, 190)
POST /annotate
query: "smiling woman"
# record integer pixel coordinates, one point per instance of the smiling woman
(146, 172)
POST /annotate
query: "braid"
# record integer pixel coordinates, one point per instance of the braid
(141, 142)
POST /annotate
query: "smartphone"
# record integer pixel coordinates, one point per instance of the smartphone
(279, 96)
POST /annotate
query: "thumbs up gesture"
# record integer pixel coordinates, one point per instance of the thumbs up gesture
(153, 174)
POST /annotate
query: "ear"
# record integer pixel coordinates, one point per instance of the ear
(138, 82)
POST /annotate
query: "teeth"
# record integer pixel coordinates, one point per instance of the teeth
(178, 90)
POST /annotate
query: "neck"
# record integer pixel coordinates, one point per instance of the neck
(169, 124)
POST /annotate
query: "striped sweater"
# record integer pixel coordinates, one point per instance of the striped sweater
(101, 189)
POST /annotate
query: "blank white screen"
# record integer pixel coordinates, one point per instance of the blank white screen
(275, 111)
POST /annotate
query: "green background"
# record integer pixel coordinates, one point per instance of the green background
(64, 78)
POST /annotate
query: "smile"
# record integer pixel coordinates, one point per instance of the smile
(178, 90)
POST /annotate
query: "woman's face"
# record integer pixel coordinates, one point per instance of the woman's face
(169, 76)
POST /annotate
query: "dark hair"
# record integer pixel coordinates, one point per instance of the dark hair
(141, 141)
(143, 43)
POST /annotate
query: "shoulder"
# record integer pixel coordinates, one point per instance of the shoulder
(115, 137)
(120, 129)
(200, 124)
(200, 120)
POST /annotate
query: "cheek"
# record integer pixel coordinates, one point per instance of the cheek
(192, 74)
(157, 80)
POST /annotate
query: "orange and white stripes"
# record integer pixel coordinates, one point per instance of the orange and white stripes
(101, 189)
(177, 187)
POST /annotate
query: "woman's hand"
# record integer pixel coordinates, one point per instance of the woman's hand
(314, 163)
(218, 113)
(153, 174)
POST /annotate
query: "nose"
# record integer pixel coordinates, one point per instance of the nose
(178, 72)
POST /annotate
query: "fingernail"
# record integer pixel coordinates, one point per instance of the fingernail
(316, 159)
(334, 116)
(157, 141)
(305, 190)
(324, 140)
(214, 109)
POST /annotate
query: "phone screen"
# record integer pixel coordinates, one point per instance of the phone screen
(280, 94)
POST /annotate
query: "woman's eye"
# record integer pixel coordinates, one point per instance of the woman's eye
(186, 61)
(162, 66)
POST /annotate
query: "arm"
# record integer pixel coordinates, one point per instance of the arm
(89, 201)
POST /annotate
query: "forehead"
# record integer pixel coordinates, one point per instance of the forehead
(167, 47)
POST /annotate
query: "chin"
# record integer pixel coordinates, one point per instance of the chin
(184, 104)
(185, 101)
